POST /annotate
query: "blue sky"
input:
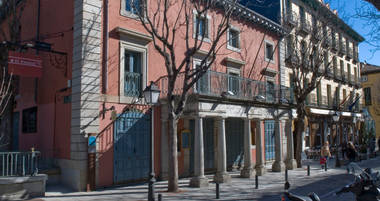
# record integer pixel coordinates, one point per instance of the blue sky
(346, 9)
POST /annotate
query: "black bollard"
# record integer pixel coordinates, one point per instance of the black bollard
(257, 181)
(159, 197)
(326, 165)
(217, 191)
(308, 170)
(286, 174)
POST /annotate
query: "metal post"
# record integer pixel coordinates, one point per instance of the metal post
(326, 165)
(217, 191)
(257, 181)
(308, 170)
(151, 174)
(286, 174)
(160, 197)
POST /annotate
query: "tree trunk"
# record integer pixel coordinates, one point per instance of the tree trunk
(173, 159)
(300, 124)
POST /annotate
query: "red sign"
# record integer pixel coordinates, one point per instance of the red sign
(24, 64)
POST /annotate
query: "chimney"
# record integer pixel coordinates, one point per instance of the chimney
(335, 12)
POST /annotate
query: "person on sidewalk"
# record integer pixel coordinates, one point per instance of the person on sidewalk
(325, 153)
(351, 152)
(351, 155)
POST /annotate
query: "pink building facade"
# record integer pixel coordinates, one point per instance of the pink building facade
(237, 118)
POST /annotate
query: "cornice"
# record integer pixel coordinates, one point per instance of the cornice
(253, 17)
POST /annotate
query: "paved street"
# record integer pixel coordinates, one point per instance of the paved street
(270, 188)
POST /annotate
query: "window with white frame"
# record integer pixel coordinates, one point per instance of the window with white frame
(132, 69)
(269, 51)
(233, 37)
(201, 27)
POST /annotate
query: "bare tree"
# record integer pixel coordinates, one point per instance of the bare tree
(308, 61)
(172, 24)
(10, 15)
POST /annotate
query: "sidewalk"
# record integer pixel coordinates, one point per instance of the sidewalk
(270, 186)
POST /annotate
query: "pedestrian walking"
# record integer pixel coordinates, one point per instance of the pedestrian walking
(325, 154)
(351, 152)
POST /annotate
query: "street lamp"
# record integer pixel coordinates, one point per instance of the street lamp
(151, 94)
(335, 118)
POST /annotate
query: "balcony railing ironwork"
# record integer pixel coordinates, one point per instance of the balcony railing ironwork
(349, 53)
(217, 84)
(305, 27)
(342, 48)
(19, 163)
(291, 18)
(132, 84)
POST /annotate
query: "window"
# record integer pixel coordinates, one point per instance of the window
(29, 120)
(132, 70)
(342, 68)
(329, 102)
(367, 96)
(132, 73)
(203, 26)
(270, 95)
(234, 81)
(302, 15)
(326, 60)
(233, 39)
(269, 52)
(131, 8)
(337, 96)
(349, 71)
(344, 94)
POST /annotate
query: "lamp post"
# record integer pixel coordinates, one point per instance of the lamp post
(335, 118)
(151, 94)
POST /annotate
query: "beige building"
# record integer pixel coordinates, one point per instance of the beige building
(314, 25)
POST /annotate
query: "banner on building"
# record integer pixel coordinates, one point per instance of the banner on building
(23, 64)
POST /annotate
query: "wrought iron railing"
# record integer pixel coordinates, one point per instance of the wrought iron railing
(218, 84)
(305, 26)
(349, 52)
(19, 163)
(291, 18)
(132, 84)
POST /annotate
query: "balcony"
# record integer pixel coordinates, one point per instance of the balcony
(337, 76)
(327, 42)
(316, 34)
(291, 18)
(342, 48)
(132, 84)
(305, 27)
(355, 57)
(234, 88)
(329, 73)
(349, 53)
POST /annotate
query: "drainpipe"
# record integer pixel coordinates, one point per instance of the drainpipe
(105, 47)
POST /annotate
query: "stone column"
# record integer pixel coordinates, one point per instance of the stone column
(278, 165)
(291, 163)
(199, 179)
(247, 171)
(221, 175)
(260, 168)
